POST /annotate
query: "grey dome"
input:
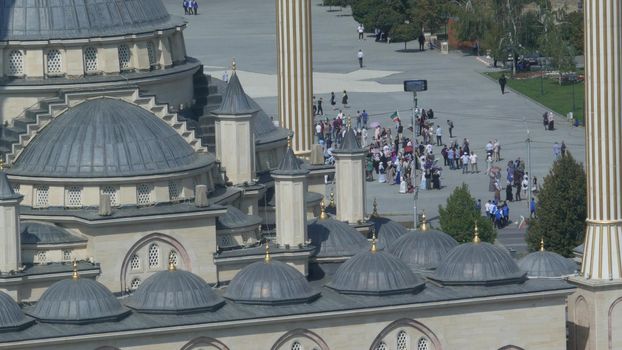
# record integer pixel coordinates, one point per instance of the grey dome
(387, 231)
(543, 264)
(44, 233)
(478, 264)
(270, 282)
(11, 316)
(174, 292)
(375, 273)
(70, 19)
(423, 250)
(333, 238)
(107, 138)
(234, 219)
(77, 301)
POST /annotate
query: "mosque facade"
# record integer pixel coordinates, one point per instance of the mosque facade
(146, 205)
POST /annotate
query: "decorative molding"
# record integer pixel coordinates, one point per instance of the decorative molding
(204, 341)
(407, 323)
(297, 334)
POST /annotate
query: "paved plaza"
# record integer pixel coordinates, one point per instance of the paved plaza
(245, 29)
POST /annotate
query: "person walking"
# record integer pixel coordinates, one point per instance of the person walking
(557, 151)
(439, 136)
(186, 4)
(563, 149)
(361, 31)
(344, 99)
(466, 159)
(473, 161)
(333, 101)
(421, 39)
(502, 82)
(532, 208)
(319, 109)
(195, 7)
(450, 124)
(365, 118)
(360, 57)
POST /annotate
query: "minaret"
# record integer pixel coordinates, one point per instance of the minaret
(235, 141)
(290, 186)
(594, 310)
(295, 68)
(10, 243)
(350, 164)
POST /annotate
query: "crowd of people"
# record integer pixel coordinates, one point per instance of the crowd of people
(191, 7)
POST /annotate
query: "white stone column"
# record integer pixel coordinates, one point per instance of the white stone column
(10, 242)
(236, 145)
(33, 63)
(295, 67)
(74, 61)
(350, 189)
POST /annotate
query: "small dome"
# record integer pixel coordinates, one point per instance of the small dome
(174, 292)
(44, 233)
(543, 264)
(234, 219)
(423, 250)
(375, 273)
(333, 238)
(478, 263)
(11, 316)
(77, 301)
(270, 282)
(387, 230)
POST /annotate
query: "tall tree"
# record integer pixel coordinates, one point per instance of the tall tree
(561, 208)
(459, 216)
(428, 15)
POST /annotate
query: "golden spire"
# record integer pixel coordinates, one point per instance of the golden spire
(323, 215)
(424, 223)
(1, 164)
(234, 66)
(267, 258)
(542, 244)
(171, 261)
(373, 241)
(476, 237)
(332, 200)
(289, 142)
(375, 212)
(74, 274)
(349, 122)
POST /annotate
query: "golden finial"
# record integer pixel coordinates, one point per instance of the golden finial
(476, 237)
(171, 261)
(332, 200)
(542, 244)
(74, 274)
(424, 223)
(373, 241)
(267, 258)
(323, 215)
(289, 142)
(1, 164)
(375, 212)
(234, 66)
(349, 122)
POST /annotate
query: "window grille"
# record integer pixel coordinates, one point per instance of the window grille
(402, 341)
(90, 60)
(15, 66)
(173, 258)
(41, 256)
(42, 196)
(67, 255)
(143, 194)
(174, 190)
(16, 188)
(113, 193)
(154, 256)
(134, 284)
(54, 62)
(125, 57)
(382, 346)
(225, 241)
(423, 344)
(151, 52)
(135, 262)
(296, 346)
(73, 197)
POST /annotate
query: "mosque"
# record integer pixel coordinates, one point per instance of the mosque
(147, 205)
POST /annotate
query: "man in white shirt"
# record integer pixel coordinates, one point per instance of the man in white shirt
(360, 57)
(439, 136)
(465, 163)
(318, 131)
(361, 30)
(473, 159)
(489, 148)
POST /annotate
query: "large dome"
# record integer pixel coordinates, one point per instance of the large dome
(107, 138)
(11, 316)
(270, 282)
(543, 264)
(387, 230)
(72, 19)
(333, 238)
(423, 250)
(77, 301)
(174, 292)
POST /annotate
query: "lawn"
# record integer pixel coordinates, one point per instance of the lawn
(556, 97)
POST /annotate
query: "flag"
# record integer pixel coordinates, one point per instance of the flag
(395, 117)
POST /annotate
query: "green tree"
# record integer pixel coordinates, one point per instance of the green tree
(428, 15)
(560, 52)
(403, 32)
(459, 216)
(561, 208)
(571, 26)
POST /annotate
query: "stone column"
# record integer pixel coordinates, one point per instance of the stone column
(295, 67)
(10, 243)
(350, 167)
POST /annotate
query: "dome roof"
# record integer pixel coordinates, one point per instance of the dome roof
(387, 230)
(543, 264)
(234, 218)
(44, 233)
(174, 291)
(270, 282)
(72, 19)
(423, 250)
(77, 301)
(333, 238)
(375, 272)
(11, 316)
(107, 138)
(478, 263)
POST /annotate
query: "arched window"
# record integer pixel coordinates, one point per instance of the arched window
(296, 346)
(382, 346)
(15, 66)
(151, 52)
(90, 59)
(154, 256)
(135, 262)
(423, 344)
(125, 57)
(113, 193)
(41, 257)
(402, 340)
(66, 254)
(135, 283)
(54, 62)
(173, 258)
